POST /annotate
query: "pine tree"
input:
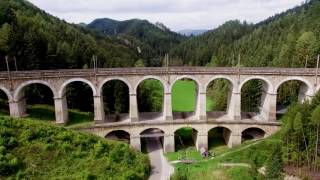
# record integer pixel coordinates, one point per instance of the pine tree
(315, 118)
(274, 164)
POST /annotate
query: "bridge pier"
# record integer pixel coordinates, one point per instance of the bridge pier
(167, 109)
(202, 108)
(18, 108)
(202, 141)
(235, 140)
(133, 111)
(61, 110)
(99, 115)
(135, 143)
(234, 105)
(268, 109)
(168, 143)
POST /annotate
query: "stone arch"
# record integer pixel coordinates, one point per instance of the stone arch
(17, 94)
(7, 92)
(150, 128)
(309, 86)
(230, 80)
(125, 81)
(232, 85)
(120, 135)
(270, 88)
(184, 139)
(225, 127)
(66, 83)
(198, 83)
(176, 128)
(253, 132)
(222, 133)
(163, 82)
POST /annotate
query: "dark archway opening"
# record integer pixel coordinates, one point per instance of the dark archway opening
(252, 134)
(184, 99)
(116, 101)
(150, 94)
(4, 103)
(185, 138)
(119, 135)
(80, 102)
(39, 101)
(253, 95)
(151, 140)
(218, 98)
(218, 139)
(289, 92)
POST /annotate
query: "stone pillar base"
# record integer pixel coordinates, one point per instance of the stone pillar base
(61, 110)
(18, 109)
(203, 118)
(99, 115)
(135, 143)
(202, 142)
(234, 141)
(169, 118)
(134, 119)
(168, 143)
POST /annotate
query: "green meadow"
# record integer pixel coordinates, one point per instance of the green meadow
(184, 97)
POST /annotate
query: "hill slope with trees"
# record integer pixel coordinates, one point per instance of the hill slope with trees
(37, 150)
(284, 40)
(40, 41)
(153, 40)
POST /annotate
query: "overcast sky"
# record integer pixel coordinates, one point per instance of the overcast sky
(176, 14)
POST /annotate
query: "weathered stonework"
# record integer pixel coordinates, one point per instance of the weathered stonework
(57, 80)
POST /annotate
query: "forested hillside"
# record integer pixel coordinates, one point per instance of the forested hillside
(40, 41)
(285, 40)
(38, 150)
(152, 40)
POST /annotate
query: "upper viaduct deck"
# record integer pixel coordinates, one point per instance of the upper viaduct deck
(14, 84)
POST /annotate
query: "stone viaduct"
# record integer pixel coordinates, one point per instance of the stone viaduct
(233, 121)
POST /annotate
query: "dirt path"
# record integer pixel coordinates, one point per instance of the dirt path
(161, 168)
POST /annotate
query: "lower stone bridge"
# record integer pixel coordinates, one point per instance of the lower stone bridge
(233, 133)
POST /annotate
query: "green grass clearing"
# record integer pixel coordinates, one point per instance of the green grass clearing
(183, 97)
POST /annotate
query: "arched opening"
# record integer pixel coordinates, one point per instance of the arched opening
(218, 139)
(185, 98)
(151, 139)
(218, 98)
(119, 135)
(253, 94)
(185, 138)
(252, 134)
(150, 94)
(4, 103)
(36, 101)
(289, 92)
(116, 100)
(79, 96)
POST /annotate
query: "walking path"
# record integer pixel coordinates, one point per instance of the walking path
(160, 167)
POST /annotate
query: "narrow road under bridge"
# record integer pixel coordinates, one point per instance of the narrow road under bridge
(161, 168)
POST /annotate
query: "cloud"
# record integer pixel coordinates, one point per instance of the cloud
(176, 14)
